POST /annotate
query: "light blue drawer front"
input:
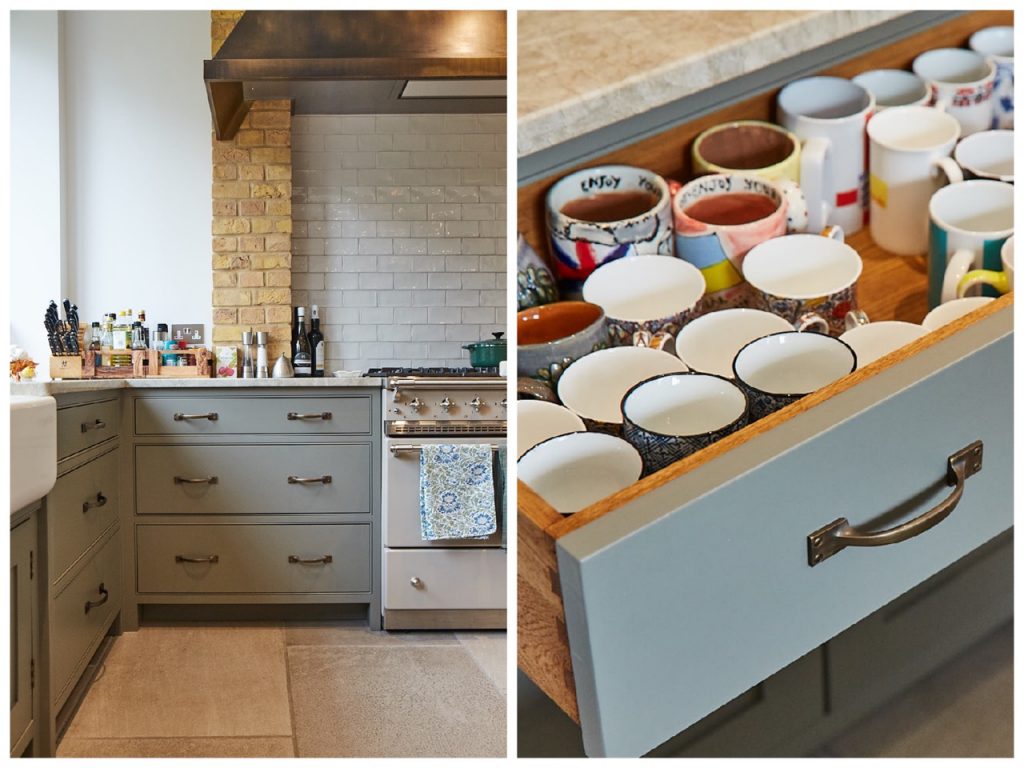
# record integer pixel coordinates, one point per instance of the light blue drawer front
(672, 614)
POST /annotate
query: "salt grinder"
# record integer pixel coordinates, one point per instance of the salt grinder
(262, 367)
(248, 366)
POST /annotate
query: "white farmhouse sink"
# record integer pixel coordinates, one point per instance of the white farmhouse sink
(33, 448)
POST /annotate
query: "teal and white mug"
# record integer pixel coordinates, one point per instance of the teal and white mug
(971, 219)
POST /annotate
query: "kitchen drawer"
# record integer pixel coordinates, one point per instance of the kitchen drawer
(83, 426)
(648, 610)
(455, 579)
(75, 630)
(246, 415)
(253, 558)
(253, 479)
(81, 506)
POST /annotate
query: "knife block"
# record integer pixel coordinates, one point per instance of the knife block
(66, 367)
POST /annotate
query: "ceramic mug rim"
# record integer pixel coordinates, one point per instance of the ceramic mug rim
(601, 318)
(890, 72)
(1001, 58)
(931, 112)
(635, 259)
(859, 114)
(699, 323)
(983, 175)
(954, 83)
(733, 124)
(808, 296)
(601, 435)
(659, 181)
(853, 355)
(688, 435)
(991, 234)
(677, 210)
(544, 405)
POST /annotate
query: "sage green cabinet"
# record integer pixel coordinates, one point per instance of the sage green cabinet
(23, 634)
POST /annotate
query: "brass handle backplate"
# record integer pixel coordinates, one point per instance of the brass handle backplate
(207, 559)
(98, 424)
(104, 596)
(211, 480)
(325, 479)
(839, 534)
(100, 501)
(194, 416)
(311, 561)
(325, 416)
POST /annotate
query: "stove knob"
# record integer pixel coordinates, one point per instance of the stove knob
(504, 402)
(416, 404)
(398, 397)
(475, 403)
(446, 404)
(396, 410)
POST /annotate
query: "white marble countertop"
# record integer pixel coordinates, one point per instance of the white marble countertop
(583, 70)
(67, 386)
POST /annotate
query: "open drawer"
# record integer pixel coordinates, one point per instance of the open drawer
(650, 609)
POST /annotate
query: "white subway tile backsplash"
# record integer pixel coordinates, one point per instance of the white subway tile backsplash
(399, 234)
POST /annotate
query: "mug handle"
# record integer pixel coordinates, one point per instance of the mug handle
(811, 319)
(956, 269)
(855, 318)
(796, 206)
(662, 340)
(834, 232)
(814, 167)
(949, 167)
(998, 280)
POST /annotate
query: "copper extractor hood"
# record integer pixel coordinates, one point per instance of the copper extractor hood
(358, 62)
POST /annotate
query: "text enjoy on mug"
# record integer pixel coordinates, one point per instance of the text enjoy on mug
(961, 83)
(829, 115)
(601, 214)
(909, 159)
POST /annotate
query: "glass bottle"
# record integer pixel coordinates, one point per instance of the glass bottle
(301, 358)
(95, 344)
(316, 342)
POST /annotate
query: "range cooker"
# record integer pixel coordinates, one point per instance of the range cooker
(453, 583)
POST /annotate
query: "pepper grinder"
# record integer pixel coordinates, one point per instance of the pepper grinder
(262, 367)
(248, 368)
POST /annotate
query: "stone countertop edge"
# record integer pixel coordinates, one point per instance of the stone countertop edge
(61, 387)
(631, 91)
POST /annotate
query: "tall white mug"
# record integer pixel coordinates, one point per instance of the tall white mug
(909, 160)
(829, 115)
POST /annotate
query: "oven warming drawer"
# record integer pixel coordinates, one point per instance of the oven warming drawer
(464, 579)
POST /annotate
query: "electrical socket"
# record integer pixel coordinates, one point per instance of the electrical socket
(192, 333)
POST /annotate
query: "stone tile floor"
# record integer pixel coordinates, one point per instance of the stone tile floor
(282, 690)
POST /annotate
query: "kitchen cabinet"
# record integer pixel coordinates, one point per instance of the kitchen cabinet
(24, 632)
(647, 611)
(252, 496)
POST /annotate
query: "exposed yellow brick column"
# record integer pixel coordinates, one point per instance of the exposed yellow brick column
(252, 221)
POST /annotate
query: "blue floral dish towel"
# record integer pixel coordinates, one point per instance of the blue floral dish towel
(456, 491)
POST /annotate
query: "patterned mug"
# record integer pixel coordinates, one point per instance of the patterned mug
(535, 285)
(551, 336)
(996, 43)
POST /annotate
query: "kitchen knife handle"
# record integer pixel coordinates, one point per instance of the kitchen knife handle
(193, 416)
(98, 424)
(101, 500)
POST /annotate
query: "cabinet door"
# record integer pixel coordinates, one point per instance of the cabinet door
(23, 544)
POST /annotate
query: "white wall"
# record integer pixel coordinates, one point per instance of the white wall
(399, 234)
(138, 164)
(36, 224)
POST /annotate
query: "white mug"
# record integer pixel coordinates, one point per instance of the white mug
(874, 340)
(573, 471)
(709, 343)
(996, 44)
(986, 155)
(909, 159)
(969, 222)
(537, 421)
(656, 294)
(961, 83)
(953, 310)
(829, 115)
(593, 386)
(894, 88)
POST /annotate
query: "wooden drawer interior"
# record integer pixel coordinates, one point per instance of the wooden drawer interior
(891, 288)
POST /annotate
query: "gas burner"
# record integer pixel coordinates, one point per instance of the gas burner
(438, 372)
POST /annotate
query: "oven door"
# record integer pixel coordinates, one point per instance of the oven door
(401, 495)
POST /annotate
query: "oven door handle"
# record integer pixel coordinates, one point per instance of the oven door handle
(398, 450)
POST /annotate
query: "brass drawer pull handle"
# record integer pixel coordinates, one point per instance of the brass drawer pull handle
(839, 534)
(311, 561)
(207, 559)
(98, 424)
(193, 416)
(325, 416)
(100, 501)
(211, 480)
(326, 480)
(104, 596)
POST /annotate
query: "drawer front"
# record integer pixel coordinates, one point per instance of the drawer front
(464, 578)
(81, 506)
(75, 631)
(686, 596)
(253, 479)
(253, 558)
(83, 426)
(241, 415)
